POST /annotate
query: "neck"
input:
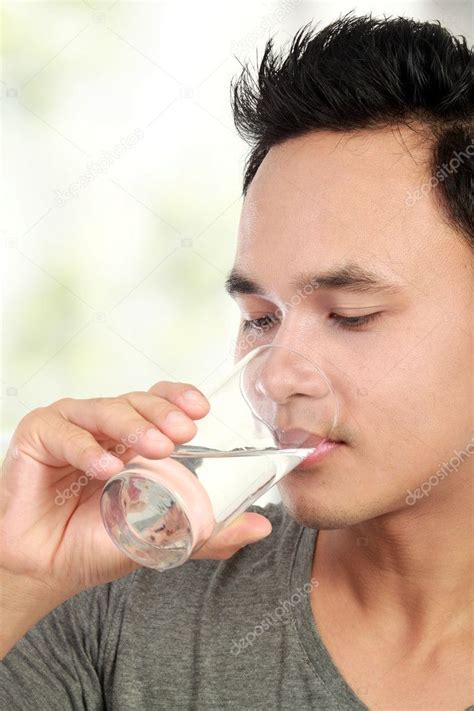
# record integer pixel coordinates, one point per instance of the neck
(413, 567)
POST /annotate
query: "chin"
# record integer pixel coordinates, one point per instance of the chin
(323, 509)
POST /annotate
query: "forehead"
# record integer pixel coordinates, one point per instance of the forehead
(329, 197)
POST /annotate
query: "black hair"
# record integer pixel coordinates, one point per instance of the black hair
(362, 72)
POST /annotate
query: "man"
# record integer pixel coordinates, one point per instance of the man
(358, 182)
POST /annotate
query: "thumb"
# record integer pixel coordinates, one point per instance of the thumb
(247, 528)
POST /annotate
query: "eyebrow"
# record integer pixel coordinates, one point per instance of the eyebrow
(351, 277)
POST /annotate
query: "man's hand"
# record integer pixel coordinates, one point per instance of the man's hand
(53, 542)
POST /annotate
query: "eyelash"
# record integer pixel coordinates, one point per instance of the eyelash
(354, 322)
(351, 323)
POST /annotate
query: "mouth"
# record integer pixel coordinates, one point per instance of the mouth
(323, 449)
(321, 446)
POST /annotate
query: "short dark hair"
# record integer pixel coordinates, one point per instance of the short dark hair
(362, 72)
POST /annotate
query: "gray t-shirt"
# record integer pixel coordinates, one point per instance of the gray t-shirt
(234, 634)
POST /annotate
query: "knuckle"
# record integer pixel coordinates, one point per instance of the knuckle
(105, 402)
(35, 414)
(109, 408)
(119, 415)
(89, 452)
(62, 429)
(30, 421)
(135, 397)
(76, 438)
(99, 401)
(113, 402)
(89, 449)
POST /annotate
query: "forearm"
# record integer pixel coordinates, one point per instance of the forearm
(23, 602)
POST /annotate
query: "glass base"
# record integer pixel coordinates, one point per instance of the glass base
(146, 521)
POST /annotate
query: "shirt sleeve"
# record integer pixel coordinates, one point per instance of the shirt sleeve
(58, 664)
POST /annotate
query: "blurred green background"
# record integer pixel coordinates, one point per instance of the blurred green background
(122, 186)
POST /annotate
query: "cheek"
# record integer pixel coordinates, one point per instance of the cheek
(446, 374)
(420, 409)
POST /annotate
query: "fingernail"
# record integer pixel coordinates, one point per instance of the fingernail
(194, 397)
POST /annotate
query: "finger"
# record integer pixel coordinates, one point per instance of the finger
(249, 527)
(185, 395)
(50, 439)
(171, 420)
(161, 421)
(117, 418)
(118, 449)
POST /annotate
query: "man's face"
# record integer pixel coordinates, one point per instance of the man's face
(328, 201)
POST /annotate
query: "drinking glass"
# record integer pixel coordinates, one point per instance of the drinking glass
(271, 411)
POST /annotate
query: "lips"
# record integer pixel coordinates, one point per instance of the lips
(321, 446)
(319, 454)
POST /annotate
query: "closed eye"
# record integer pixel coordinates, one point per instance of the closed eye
(353, 322)
(265, 323)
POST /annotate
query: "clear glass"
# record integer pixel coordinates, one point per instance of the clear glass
(267, 414)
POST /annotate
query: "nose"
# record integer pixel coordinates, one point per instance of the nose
(285, 373)
(289, 393)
